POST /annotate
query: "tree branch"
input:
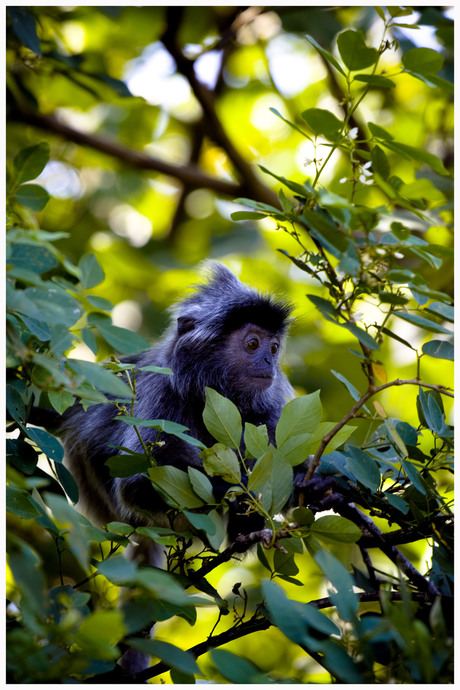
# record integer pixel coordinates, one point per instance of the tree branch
(251, 184)
(258, 624)
(350, 511)
(371, 391)
(189, 175)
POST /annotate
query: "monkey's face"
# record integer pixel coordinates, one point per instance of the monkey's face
(251, 357)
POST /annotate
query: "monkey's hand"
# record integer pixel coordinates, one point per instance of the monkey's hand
(240, 521)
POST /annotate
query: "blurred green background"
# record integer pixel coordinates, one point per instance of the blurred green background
(105, 85)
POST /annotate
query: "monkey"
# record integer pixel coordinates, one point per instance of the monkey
(226, 336)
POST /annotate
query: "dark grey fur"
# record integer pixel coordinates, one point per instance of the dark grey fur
(196, 348)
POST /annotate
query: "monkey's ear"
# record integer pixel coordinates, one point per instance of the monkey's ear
(185, 324)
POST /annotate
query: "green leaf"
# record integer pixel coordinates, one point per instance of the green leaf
(284, 562)
(222, 419)
(323, 122)
(345, 600)
(354, 51)
(363, 336)
(255, 439)
(99, 302)
(411, 152)
(91, 272)
(236, 669)
(272, 476)
(61, 400)
(337, 440)
(334, 528)
(220, 530)
(20, 503)
(444, 311)
(392, 298)
(295, 187)
(354, 392)
(432, 79)
(33, 196)
(201, 485)
(325, 54)
(98, 634)
(173, 656)
(117, 569)
(126, 465)
(295, 449)
(299, 416)
(320, 228)
(67, 481)
(380, 162)
(326, 308)
(89, 339)
(258, 205)
(423, 60)
(30, 162)
(414, 475)
(47, 443)
(121, 339)
(379, 132)
(201, 522)
(364, 468)
(441, 349)
(422, 322)
(288, 122)
(285, 613)
(375, 81)
(26, 564)
(165, 425)
(23, 25)
(421, 189)
(100, 377)
(175, 485)
(15, 404)
(318, 620)
(222, 462)
(156, 370)
(247, 215)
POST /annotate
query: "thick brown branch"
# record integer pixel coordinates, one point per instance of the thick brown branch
(189, 175)
(251, 184)
(407, 536)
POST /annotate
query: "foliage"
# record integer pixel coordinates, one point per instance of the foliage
(354, 583)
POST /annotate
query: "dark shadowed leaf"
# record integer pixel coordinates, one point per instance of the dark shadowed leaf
(20, 503)
(441, 349)
(33, 196)
(29, 163)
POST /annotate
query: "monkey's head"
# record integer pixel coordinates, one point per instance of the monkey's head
(228, 336)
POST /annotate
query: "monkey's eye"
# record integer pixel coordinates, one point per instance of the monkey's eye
(274, 348)
(252, 344)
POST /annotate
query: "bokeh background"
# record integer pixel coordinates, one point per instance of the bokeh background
(158, 118)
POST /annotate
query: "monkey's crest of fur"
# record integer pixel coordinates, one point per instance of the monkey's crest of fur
(223, 304)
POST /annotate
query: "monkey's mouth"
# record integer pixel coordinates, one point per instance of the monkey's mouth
(263, 377)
